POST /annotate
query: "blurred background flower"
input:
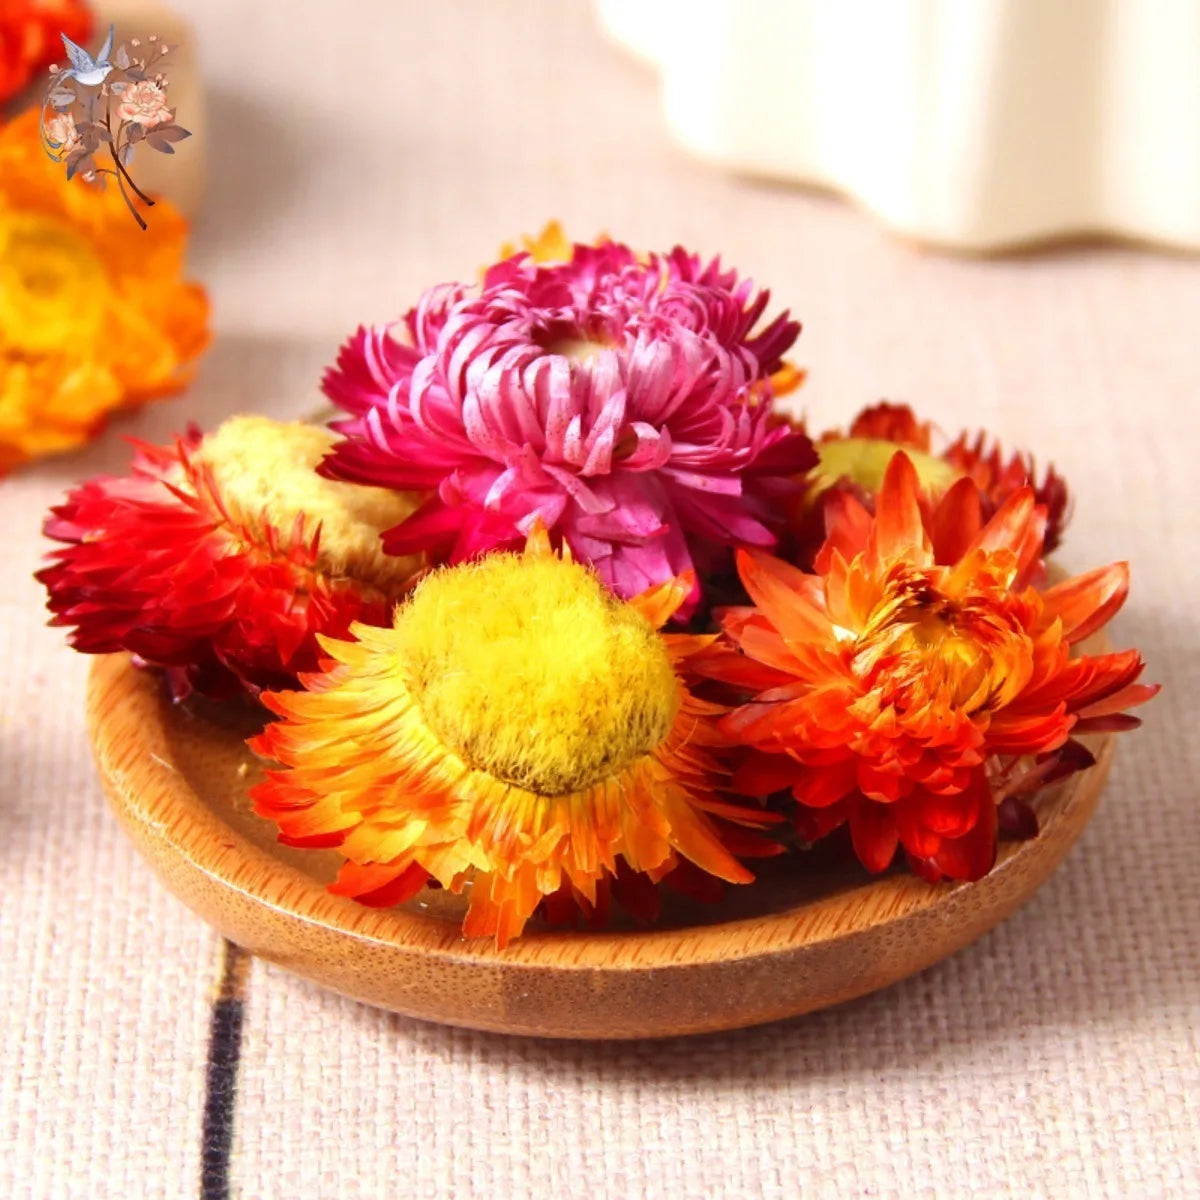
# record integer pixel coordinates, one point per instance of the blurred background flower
(855, 461)
(95, 315)
(29, 38)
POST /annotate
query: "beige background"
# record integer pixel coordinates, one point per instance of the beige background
(357, 152)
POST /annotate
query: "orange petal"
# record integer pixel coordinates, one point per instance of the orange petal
(787, 379)
(765, 774)
(873, 832)
(955, 522)
(950, 816)
(723, 663)
(693, 836)
(847, 528)
(764, 644)
(791, 600)
(537, 544)
(1031, 548)
(1088, 602)
(1128, 697)
(820, 787)
(660, 603)
(1029, 733)
(898, 526)
(972, 855)
(379, 885)
(915, 836)
(1009, 526)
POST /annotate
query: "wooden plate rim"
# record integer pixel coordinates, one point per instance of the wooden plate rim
(152, 790)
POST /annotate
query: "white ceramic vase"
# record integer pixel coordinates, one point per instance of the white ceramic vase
(977, 124)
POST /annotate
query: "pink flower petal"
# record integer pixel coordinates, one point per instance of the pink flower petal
(648, 451)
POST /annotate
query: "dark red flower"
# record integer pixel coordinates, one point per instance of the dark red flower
(855, 463)
(220, 559)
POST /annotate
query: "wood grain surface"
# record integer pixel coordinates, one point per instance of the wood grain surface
(812, 931)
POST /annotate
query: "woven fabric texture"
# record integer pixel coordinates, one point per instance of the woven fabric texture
(357, 153)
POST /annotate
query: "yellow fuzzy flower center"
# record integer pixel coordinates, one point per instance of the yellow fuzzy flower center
(265, 476)
(865, 461)
(529, 669)
(53, 287)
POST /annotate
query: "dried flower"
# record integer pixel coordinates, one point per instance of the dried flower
(919, 680)
(858, 459)
(94, 316)
(999, 477)
(550, 246)
(624, 403)
(517, 732)
(221, 558)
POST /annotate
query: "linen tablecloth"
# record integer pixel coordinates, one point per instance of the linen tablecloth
(358, 152)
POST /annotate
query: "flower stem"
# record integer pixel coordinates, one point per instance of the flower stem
(112, 149)
(137, 216)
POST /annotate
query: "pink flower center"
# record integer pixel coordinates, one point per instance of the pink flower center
(579, 342)
(579, 350)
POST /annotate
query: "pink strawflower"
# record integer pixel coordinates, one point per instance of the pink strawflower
(625, 403)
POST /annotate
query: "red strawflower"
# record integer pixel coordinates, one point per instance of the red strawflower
(29, 37)
(855, 461)
(220, 558)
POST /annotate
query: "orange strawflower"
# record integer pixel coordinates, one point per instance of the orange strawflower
(95, 316)
(520, 733)
(29, 38)
(919, 680)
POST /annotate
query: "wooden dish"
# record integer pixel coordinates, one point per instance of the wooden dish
(798, 940)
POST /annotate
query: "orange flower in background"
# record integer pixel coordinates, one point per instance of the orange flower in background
(519, 733)
(29, 38)
(999, 477)
(95, 316)
(856, 461)
(551, 245)
(919, 680)
(220, 558)
(889, 422)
